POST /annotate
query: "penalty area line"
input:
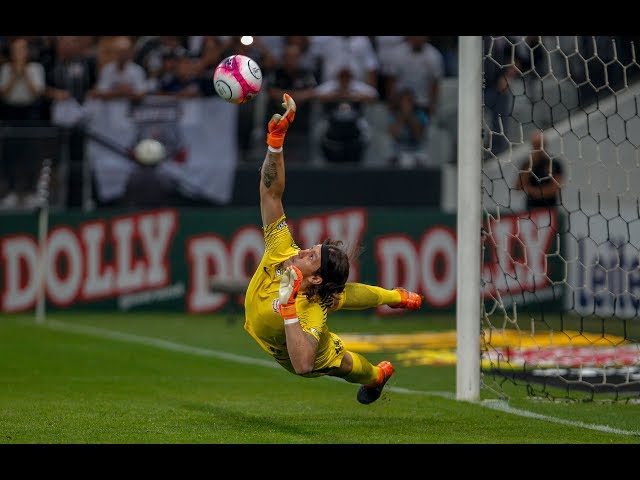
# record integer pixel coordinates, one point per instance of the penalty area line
(155, 342)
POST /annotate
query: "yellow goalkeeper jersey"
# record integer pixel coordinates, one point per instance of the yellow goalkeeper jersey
(262, 318)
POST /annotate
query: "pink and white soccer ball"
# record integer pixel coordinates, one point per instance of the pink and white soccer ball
(237, 79)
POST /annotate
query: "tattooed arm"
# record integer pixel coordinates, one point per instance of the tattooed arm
(272, 170)
(271, 187)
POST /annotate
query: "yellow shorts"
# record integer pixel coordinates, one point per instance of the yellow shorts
(329, 358)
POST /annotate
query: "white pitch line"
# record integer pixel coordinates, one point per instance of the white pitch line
(499, 405)
(155, 342)
(503, 406)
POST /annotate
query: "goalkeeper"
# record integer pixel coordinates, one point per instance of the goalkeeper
(293, 289)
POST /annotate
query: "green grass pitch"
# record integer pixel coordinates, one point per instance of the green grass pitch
(165, 378)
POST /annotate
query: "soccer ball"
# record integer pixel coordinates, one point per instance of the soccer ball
(149, 151)
(237, 79)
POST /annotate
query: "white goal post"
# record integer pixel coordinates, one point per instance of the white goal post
(548, 218)
(469, 218)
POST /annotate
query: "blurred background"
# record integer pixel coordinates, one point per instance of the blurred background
(365, 103)
(368, 105)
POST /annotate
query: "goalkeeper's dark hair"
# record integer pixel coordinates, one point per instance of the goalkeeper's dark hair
(334, 270)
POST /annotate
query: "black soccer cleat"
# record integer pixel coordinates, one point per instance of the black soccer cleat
(370, 393)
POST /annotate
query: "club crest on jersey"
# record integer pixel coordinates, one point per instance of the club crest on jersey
(279, 271)
(282, 224)
(276, 305)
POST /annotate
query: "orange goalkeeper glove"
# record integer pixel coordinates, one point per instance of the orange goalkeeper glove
(289, 286)
(279, 124)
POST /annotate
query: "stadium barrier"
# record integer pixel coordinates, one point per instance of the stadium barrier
(198, 260)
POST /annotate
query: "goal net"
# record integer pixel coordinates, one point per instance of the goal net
(560, 274)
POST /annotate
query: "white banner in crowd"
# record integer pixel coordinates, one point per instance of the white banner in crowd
(199, 134)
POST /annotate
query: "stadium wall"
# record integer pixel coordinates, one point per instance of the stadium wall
(335, 184)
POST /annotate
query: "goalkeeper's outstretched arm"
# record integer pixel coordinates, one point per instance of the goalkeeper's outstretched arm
(272, 171)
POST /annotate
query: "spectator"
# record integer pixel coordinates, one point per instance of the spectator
(274, 45)
(541, 175)
(150, 54)
(70, 79)
(210, 52)
(308, 57)
(121, 78)
(22, 87)
(500, 105)
(195, 44)
(167, 74)
(420, 66)
(385, 46)
(89, 47)
(185, 82)
(105, 51)
(407, 124)
(22, 84)
(346, 135)
(336, 51)
(501, 74)
(294, 78)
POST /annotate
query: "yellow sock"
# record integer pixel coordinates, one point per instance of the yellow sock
(362, 372)
(359, 296)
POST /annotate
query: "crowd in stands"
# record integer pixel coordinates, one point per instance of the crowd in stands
(335, 76)
(351, 90)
